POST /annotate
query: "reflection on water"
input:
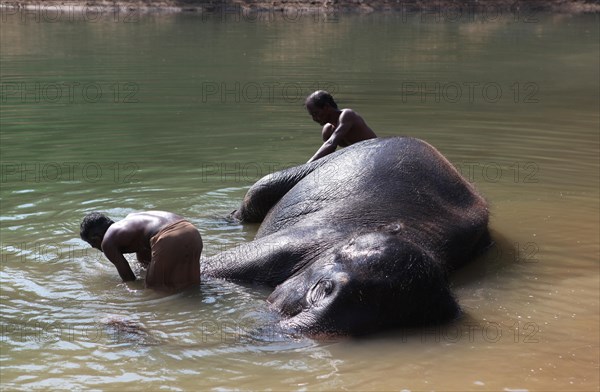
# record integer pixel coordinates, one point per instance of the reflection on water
(181, 113)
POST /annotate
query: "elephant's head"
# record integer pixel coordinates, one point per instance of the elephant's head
(374, 281)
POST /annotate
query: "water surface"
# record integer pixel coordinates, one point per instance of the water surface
(184, 113)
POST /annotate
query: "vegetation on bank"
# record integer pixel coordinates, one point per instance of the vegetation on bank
(567, 6)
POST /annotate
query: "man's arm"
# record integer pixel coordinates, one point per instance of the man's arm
(344, 126)
(116, 257)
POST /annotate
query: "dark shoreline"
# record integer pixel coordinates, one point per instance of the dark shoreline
(316, 6)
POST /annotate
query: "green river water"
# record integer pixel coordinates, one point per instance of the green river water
(184, 112)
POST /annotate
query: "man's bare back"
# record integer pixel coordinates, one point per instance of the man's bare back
(340, 127)
(358, 131)
(133, 233)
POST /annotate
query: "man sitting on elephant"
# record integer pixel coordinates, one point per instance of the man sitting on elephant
(340, 127)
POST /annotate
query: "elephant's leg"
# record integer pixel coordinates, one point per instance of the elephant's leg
(271, 259)
(267, 260)
(267, 191)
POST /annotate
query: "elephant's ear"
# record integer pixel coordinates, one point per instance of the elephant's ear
(267, 191)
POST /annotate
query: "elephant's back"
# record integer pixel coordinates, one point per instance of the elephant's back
(374, 181)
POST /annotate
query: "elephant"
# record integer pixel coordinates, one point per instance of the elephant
(360, 240)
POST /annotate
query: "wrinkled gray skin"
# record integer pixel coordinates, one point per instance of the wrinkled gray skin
(360, 240)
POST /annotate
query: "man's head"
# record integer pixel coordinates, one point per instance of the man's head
(320, 105)
(94, 227)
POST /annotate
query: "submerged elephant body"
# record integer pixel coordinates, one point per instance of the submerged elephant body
(361, 239)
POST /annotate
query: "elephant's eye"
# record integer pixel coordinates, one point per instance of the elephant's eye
(319, 291)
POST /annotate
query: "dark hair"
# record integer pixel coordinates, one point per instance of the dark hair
(94, 224)
(320, 99)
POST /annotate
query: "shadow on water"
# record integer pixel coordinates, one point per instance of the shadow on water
(500, 255)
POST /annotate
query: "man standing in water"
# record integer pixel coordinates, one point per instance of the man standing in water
(340, 127)
(165, 243)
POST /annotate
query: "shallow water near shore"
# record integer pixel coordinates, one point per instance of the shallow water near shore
(183, 113)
